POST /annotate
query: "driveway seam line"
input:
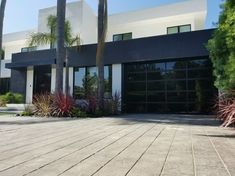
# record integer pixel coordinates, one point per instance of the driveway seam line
(98, 151)
(155, 139)
(122, 151)
(193, 154)
(85, 131)
(221, 160)
(52, 151)
(72, 152)
(168, 152)
(61, 133)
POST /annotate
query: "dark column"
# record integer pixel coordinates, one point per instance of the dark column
(18, 81)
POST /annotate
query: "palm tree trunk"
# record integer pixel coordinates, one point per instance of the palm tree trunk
(60, 49)
(2, 13)
(102, 30)
(67, 89)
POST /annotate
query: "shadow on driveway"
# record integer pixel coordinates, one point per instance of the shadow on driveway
(126, 119)
(172, 119)
(34, 120)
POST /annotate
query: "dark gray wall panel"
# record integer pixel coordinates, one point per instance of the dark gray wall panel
(18, 81)
(33, 58)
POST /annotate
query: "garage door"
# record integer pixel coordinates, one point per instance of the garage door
(175, 86)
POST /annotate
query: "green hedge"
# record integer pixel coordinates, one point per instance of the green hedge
(11, 98)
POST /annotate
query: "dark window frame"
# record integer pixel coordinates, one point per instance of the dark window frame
(86, 72)
(183, 91)
(28, 49)
(122, 36)
(178, 28)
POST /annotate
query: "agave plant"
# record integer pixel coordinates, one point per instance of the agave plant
(225, 107)
(43, 105)
(62, 105)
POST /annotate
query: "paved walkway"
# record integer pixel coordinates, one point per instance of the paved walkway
(133, 145)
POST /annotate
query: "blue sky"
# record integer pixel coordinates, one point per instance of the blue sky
(23, 14)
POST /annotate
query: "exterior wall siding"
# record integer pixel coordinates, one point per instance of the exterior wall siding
(18, 81)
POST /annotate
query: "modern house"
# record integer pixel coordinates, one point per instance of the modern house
(155, 58)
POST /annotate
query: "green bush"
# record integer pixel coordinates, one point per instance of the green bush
(77, 112)
(2, 102)
(11, 98)
(28, 111)
(113, 106)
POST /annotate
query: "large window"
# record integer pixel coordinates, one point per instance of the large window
(42, 79)
(120, 37)
(179, 29)
(4, 85)
(174, 86)
(85, 81)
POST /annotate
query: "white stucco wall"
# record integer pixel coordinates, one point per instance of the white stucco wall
(29, 85)
(154, 21)
(53, 79)
(13, 42)
(80, 16)
(4, 72)
(53, 73)
(71, 80)
(117, 78)
(142, 23)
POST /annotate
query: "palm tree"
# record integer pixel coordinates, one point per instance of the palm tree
(44, 38)
(60, 49)
(102, 31)
(2, 13)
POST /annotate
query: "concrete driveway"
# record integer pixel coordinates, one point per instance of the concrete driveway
(136, 145)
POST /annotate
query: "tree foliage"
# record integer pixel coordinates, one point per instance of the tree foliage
(44, 38)
(222, 48)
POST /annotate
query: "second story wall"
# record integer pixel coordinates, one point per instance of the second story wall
(155, 21)
(141, 23)
(81, 17)
(14, 42)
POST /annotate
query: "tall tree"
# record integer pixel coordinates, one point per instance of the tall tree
(60, 49)
(2, 13)
(102, 31)
(44, 38)
(222, 48)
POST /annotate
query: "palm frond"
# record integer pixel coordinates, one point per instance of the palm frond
(51, 22)
(68, 33)
(76, 41)
(37, 39)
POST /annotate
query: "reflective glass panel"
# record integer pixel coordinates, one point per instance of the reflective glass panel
(172, 30)
(185, 28)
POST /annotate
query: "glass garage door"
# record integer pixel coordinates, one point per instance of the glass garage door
(176, 86)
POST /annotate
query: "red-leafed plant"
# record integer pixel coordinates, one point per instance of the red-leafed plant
(62, 105)
(225, 108)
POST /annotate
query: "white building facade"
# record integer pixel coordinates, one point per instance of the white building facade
(129, 28)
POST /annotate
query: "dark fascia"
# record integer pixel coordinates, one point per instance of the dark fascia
(33, 58)
(181, 45)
